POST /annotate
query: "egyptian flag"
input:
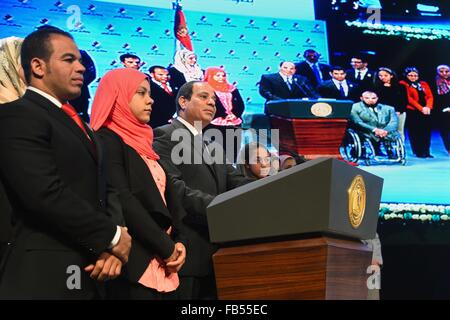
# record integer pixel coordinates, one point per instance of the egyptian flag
(180, 29)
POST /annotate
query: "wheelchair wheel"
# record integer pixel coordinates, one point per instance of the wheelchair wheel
(397, 150)
(351, 146)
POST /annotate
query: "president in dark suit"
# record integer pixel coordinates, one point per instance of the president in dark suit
(311, 69)
(199, 180)
(163, 96)
(285, 84)
(64, 238)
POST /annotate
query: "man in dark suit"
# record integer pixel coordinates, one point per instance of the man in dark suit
(311, 69)
(130, 61)
(360, 74)
(63, 238)
(163, 96)
(338, 87)
(378, 122)
(199, 177)
(285, 84)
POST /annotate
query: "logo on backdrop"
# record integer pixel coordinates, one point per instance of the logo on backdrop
(8, 18)
(122, 14)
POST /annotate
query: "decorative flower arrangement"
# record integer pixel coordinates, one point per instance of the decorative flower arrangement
(407, 32)
(411, 211)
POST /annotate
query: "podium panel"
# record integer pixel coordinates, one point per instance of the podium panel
(318, 268)
(313, 128)
(296, 235)
(312, 197)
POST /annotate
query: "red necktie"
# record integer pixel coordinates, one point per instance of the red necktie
(67, 108)
(166, 88)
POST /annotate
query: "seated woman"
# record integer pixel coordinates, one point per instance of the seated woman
(120, 113)
(254, 161)
(229, 108)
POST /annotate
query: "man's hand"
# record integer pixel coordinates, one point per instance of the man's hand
(106, 267)
(426, 110)
(380, 133)
(122, 249)
(176, 260)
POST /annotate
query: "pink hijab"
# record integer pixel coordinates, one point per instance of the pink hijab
(217, 86)
(111, 110)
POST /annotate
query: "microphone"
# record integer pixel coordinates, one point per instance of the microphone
(300, 88)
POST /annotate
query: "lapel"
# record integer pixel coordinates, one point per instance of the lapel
(59, 115)
(371, 114)
(140, 168)
(282, 83)
(197, 147)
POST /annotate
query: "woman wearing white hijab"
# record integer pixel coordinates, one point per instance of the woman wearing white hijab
(184, 69)
(12, 86)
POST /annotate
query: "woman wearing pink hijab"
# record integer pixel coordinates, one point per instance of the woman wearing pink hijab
(120, 113)
(229, 104)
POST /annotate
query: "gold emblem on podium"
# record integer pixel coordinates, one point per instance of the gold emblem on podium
(356, 201)
(321, 109)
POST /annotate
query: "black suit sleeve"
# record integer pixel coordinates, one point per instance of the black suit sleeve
(194, 201)
(29, 168)
(238, 103)
(265, 89)
(139, 221)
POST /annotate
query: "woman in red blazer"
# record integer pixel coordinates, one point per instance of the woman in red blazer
(418, 120)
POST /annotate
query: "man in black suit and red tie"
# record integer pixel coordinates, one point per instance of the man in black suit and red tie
(64, 238)
(163, 96)
(339, 87)
(311, 69)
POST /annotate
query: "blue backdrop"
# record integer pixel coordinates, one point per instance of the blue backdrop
(246, 45)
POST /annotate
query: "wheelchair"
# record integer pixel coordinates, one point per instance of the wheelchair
(358, 148)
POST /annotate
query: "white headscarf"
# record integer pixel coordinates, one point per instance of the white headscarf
(191, 73)
(12, 86)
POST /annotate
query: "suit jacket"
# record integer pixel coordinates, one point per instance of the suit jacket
(197, 185)
(365, 84)
(238, 105)
(144, 212)
(328, 89)
(5, 220)
(50, 173)
(306, 71)
(367, 120)
(164, 106)
(413, 96)
(273, 87)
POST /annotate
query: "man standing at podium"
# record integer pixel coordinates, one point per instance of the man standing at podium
(198, 182)
(285, 84)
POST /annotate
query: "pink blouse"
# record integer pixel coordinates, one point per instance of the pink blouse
(227, 102)
(155, 276)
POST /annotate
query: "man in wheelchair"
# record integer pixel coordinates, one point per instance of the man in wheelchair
(376, 123)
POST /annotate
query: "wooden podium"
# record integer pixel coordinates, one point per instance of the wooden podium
(313, 128)
(294, 235)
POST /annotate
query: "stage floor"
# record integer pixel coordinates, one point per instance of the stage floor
(420, 180)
